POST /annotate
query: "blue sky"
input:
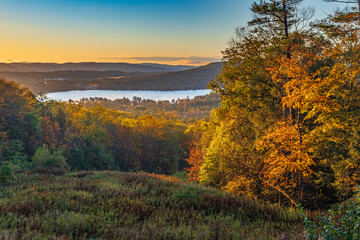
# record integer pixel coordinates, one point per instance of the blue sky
(178, 31)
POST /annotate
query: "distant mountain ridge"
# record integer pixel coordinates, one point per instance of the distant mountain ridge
(90, 66)
(196, 78)
(58, 81)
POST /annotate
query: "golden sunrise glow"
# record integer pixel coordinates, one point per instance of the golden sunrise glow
(168, 32)
(25, 43)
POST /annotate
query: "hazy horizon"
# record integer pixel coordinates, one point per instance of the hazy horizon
(73, 62)
(176, 32)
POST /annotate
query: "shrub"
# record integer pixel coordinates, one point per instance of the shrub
(5, 173)
(343, 223)
(185, 198)
(117, 205)
(182, 175)
(46, 159)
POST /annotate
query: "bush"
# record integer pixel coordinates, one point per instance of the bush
(46, 159)
(5, 173)
(181, 175)
(342, 224)
(185, 198)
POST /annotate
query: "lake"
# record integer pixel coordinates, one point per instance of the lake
(117, 94)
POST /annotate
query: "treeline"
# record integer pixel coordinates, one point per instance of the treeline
(45, 135)
(185, 109)
(288, 127)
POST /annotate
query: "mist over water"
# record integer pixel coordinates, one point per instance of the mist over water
(118, 94)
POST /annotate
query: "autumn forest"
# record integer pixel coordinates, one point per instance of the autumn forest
(281, 127)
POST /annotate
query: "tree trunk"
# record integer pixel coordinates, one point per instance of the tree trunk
(298, 126)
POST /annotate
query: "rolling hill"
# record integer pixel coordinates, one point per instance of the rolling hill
(57, 81)
(197, 78)
(89, 66)
(117, 205)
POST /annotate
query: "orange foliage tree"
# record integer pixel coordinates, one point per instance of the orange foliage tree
(195, 161)
(288, 161)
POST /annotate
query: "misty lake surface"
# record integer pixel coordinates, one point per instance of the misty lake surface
(118, 94)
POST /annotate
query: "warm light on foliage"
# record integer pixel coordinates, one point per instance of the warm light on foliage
(195, 161)
(289, 161)
(299, 91)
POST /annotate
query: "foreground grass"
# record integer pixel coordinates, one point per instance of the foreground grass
(116, 205)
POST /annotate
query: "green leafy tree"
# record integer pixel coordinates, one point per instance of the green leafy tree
(46, 159)
(5, 173)
(18, 118)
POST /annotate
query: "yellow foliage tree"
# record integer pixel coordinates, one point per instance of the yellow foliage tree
(288, 162)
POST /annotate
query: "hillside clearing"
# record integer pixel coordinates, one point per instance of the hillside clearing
(117, 205)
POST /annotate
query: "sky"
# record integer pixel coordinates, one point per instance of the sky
(191, 32)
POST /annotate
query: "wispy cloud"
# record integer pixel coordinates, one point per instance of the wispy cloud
(193, 60)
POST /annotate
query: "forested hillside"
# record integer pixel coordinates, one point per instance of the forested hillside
(286, 132)
(45, 143)
(34, 132)
(287, 128)
(186, 110)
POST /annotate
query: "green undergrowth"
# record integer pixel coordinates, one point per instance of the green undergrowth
(117, 205)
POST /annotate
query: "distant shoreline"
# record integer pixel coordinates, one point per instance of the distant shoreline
(130, 94)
